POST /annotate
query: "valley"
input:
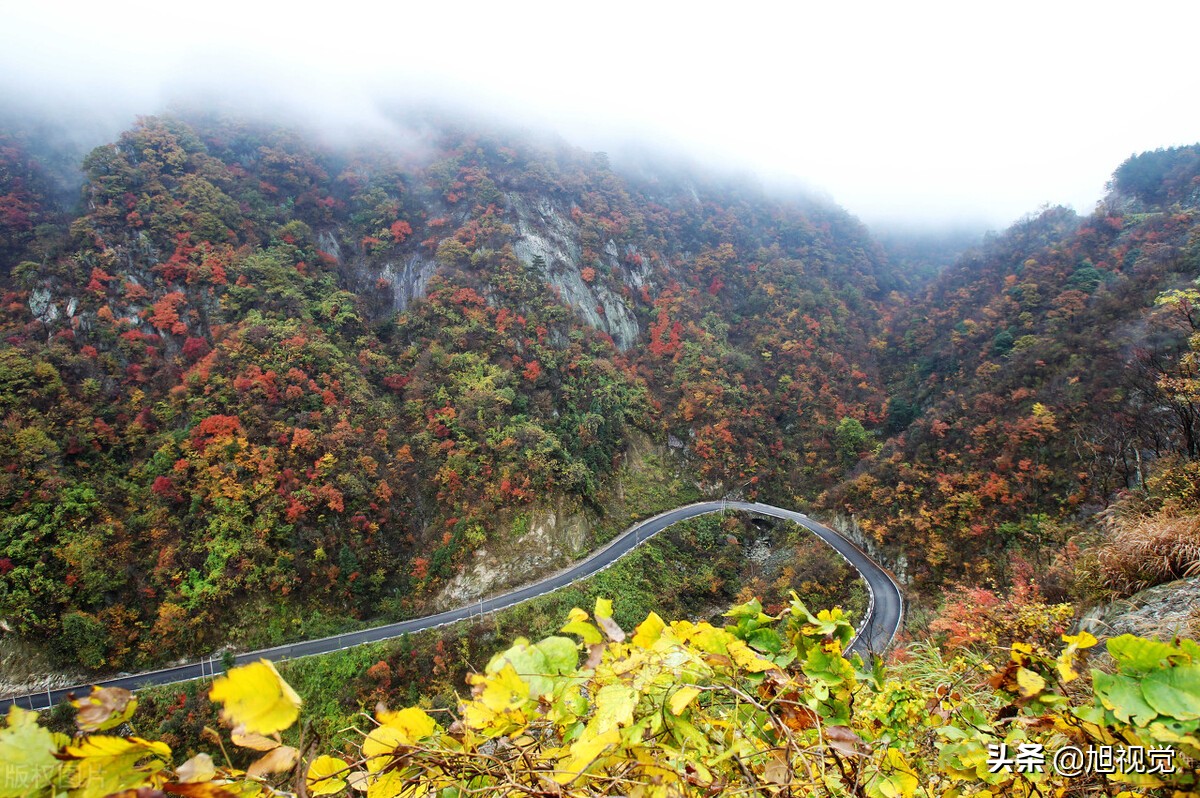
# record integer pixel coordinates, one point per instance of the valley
(258, 388)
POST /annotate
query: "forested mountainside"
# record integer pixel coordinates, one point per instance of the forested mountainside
(1036, 380)
(246, 366)
(249, 377)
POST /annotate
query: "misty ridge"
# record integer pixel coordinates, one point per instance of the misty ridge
(63, 132)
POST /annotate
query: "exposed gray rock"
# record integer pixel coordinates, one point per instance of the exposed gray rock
(328, 242)
(849, 527)
(544, 231)
(409, 280)
(1162, 612)
(555, 537)
(41, 305)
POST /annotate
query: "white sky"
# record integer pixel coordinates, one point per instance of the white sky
(920, 112)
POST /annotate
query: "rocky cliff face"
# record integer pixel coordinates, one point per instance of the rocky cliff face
(545, 235)
(1163, 611)
(404, 279)
(547, 539)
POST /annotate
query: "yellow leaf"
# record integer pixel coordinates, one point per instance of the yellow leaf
(1029, 683)
(710, 639)
(649, 631)
(386, 785)
(682, 697)
(256, 742)
(504, 690)
(207, 789)
(746, 659)
(583, 753)
(326, 775)
(1066, 669)
(603, 608)
(105, 764)
(413, 723)
(277, 760)
(1081, 640)
(894, 779)
(197, 769)
(256, 696)
(379, 745)
(615, 704)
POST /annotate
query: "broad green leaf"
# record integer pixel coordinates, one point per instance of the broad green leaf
(561, 655)
(1122, 695)
(749, 614)
(1137, 655)
(256, 696)
(1174, 692)
(577, 624)
(27, 753)
(1190, 648)
(530, 664)
(767, 640)
(326, 775)
(692, 739)
(1177, 732)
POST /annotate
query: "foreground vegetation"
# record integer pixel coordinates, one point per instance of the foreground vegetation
(766, 705)
(693, 570)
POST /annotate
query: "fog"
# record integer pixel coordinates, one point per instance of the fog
(917, 114)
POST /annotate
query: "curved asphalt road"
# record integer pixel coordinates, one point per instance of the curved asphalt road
(876, 632)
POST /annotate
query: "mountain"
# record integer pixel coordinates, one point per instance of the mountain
(256, 385)
(1040, 377)
(253, 381)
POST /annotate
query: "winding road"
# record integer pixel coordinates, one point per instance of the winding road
(874, 634)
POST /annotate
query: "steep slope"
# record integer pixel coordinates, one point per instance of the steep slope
(1033, 382)
(262, 378)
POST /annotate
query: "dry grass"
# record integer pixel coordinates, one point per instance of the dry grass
(1150, 550)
